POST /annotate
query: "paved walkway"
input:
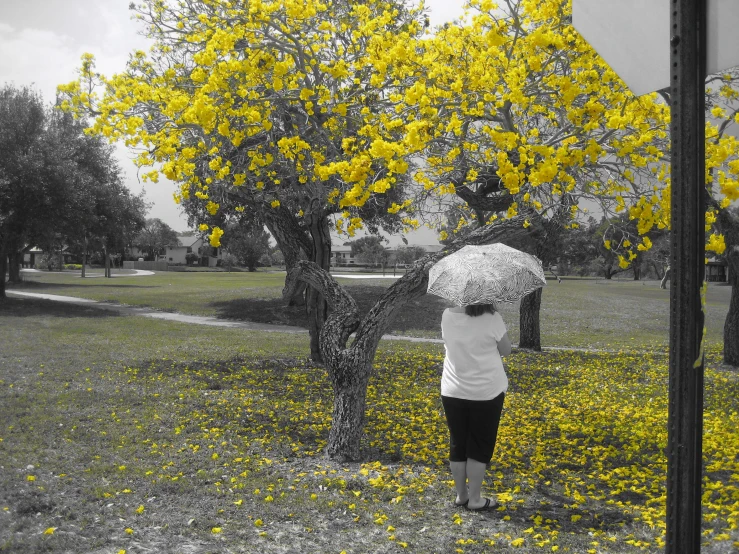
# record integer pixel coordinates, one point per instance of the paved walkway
(184, 318)
(90, 275)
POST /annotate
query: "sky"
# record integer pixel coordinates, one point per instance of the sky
(41, 42)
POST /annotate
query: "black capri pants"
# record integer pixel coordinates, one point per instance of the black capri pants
(473, 427)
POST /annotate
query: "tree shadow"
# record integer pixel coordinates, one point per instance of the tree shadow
(34, 285)
(36, 307)
(420, 314)
(274, 311)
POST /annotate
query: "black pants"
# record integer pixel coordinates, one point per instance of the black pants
(473, 427)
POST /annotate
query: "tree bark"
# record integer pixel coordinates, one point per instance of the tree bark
(731, 326)
(729, 226)
(84, 256)
(3, 269)
(291, 239)
(316, 306)
(107, 263)
(529, 328)
(665, 279)
(350, 399)
(349, 367)
(14, 266)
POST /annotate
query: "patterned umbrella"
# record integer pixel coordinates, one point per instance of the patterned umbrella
(486, 274)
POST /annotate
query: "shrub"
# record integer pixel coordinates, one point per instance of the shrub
(72, 266)
(48, 261)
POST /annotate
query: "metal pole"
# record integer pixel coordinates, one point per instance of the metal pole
(685, 411)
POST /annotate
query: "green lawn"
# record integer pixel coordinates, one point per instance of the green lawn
(120, 433)
(598, 314)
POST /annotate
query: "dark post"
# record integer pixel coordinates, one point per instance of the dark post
(685, 411)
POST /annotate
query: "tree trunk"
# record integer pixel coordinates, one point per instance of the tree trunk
(349, 382)
(731, 326)
(529, 329)
(14, 267)
(291, 239)
(637, 272)
(61, 258)
(316, 306)
(3, 269)
(349, 366)
(84, 256)
(665, 279)
(107, 263)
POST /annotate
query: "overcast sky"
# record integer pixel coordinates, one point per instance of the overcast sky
(41, 42)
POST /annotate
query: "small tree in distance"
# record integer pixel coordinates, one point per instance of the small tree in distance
(155, 237)
(370, 251)
(407, 255)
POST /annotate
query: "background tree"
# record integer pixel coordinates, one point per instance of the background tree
(408, 255)
(22, 190)
(370, 250)
(247, 241)
(154, 238)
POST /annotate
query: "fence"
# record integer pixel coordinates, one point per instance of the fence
(150, 266)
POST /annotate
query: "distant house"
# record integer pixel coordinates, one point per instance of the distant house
(191, 244)
(33, 255)
(342, 255)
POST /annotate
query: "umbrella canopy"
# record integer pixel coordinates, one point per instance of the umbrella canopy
(486, 274)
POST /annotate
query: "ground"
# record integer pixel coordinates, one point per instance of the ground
(127, 434)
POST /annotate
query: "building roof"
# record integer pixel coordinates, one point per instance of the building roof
(188, 240)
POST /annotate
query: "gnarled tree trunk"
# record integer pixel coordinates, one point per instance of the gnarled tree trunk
(349, 367)
(529, 328)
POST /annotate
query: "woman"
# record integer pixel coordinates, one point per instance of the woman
(473, 387)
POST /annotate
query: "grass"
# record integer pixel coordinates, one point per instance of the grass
(128, 434)
(600, 314)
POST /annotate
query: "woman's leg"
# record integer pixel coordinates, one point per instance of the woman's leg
(459, 472)
(456, 416)
(475, 474)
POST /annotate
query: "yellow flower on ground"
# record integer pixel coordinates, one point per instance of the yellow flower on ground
(50, 531)
(128, 531)
(216, 530)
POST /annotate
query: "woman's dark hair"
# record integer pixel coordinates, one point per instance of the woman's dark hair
(474, 310)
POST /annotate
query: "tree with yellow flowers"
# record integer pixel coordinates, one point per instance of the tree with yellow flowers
(526, 116)
(271, 106)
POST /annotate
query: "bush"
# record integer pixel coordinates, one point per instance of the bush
(228, 261)
(265, 260)
(191, 258)
(72, 266)
(48, 261)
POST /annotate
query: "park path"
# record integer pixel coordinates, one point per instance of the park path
(184, 318)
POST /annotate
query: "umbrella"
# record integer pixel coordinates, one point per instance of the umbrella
(486, 274)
